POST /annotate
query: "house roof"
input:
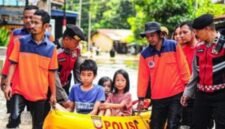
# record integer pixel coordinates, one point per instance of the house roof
(115, 34)
(221, 17)
(220, 22)
(58, 2)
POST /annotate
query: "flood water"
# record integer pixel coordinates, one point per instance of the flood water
(108, 66)
(108, 69)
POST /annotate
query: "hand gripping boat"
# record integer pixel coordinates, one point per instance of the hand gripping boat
(57, 119)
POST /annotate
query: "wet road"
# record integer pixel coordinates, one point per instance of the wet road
(26, 118)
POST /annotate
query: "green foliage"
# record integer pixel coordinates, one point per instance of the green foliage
(133, 14)
(113, 14)
(167, 12)
(85, 15)
(104, 13)
(206, 6)
(4, 36)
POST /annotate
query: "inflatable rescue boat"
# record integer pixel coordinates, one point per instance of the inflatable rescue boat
(57, 119)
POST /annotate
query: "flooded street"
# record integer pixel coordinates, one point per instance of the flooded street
(106, 67)
(109, 68)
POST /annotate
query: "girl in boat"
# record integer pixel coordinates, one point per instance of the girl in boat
(106, 83)
(119, 103)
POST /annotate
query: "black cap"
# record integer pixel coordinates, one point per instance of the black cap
(150, 27)
(74, 32)
(202, 21)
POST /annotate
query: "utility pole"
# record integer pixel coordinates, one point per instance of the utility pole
(80, 13)
(89, 26)
(89, 31)
(49, 7)
(64, 17)
(26, 2)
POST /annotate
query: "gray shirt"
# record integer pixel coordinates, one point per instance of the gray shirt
(191, 87)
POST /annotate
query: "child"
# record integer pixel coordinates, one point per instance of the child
(86, 97)
(119, 103)
(106, 82)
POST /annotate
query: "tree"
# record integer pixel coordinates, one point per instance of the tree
(206, 6)
(74, 6)
(114, 15)
(105, 13)
(167, 12)
(133, 14)
(170, 12)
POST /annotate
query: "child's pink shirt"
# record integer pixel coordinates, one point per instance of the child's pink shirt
(117, 99)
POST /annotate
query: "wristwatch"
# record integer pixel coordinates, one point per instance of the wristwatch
(3, 86)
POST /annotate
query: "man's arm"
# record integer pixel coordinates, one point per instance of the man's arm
(6, 65)
(3, 81)
(143, 78)
(8, 89)
(52, 74)
(68, 105)
(51, 79)
(71, 106)
(14, 58)
(61, 95)
(144, 82)
(182, 65)
(191, 87)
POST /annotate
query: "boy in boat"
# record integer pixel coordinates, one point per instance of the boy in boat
(86, 97)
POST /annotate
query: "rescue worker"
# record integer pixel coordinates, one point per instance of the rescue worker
(32, 71)
(28, 12)
(163, 67)
(69, 59)
(189, 41)
(69, 56)
(208, 75)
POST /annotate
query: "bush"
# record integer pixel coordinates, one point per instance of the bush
(4, 36)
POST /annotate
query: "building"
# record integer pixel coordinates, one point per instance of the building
(107, 39)
(11, 12)
(220, 22)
